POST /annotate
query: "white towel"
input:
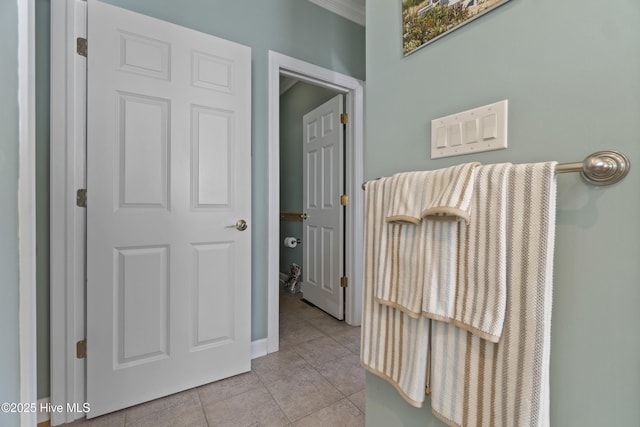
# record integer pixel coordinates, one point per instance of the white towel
(394, 345)
(450, 190)
(407, 197)
(481, 294)
(418, 260)
(477, 383)
(443, 192)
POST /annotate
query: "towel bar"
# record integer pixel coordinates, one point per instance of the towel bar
(600, 168)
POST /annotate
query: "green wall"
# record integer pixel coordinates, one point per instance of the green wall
(292, 27)
(9, 146)
(570, 70)
(294, 104)
(42, 194)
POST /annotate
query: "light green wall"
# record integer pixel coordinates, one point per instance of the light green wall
(9, 143)
(42, 194)
(295, 28)
(294, 104)
(570, 70)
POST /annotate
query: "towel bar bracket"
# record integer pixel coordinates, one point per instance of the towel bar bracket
(600, 168)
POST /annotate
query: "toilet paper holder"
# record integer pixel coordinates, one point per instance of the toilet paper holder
(291, 242)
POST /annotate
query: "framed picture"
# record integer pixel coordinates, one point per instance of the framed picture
(425, 21)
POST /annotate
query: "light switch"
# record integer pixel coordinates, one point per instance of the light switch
(454, 134)
(471, 131)
(441, 137)
(490, 127)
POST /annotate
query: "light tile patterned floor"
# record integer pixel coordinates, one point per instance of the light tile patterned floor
(314, 380)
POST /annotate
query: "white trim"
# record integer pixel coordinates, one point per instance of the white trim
(43, 404)
(27, 206)
(68, 20)
(354, 89)
(353, 10)
(258, 348)
(283, 277)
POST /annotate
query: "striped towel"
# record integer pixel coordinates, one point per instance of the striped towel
(481, 295)
(418, 260)
(449, 194)
(394, 345)
(408, 192)
(478, 383)
(444, 192)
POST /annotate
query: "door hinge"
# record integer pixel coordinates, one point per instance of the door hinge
(344, 282)
(81, 349)
(344, 118)
(344, 200)
(81, 198)
(81, 46)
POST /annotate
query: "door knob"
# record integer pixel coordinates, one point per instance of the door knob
(304, 216)
(240, 225)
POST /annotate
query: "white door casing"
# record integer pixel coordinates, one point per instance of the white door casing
(353, 89)
(168, 177)
(323, 228)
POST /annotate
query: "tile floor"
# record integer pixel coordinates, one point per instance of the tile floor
(314, 380)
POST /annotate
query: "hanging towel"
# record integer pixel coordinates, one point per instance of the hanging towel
(477, 383)
(481, 293)
(450, 191)
(408, 192)
(444, 192)
(394, 345)
(420, 258)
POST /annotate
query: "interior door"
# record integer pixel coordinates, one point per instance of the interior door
(323, 227)
(168, 183)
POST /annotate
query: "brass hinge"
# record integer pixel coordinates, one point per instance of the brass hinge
(81, 198)
(344, 118)
(81, 349)
(344, 282)
(344, 200)
(81, 46)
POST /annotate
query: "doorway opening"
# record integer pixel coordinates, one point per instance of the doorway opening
(353, 90)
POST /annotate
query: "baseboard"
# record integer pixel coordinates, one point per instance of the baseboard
(44, 417)
(283, 277)
(258, 348)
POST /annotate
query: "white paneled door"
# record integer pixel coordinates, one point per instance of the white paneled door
(168, 183)
(323, 228)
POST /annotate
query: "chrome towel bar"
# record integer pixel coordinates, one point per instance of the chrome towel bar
(600, 168)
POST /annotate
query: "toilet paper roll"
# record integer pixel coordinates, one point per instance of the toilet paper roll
(290, 242)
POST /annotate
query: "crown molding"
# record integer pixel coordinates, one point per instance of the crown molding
(353, 10)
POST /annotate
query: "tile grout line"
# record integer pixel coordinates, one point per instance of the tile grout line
(204, 413)
(273, 397)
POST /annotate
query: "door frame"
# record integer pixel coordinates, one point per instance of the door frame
(353, 89)
(27, 325)
(67, 223)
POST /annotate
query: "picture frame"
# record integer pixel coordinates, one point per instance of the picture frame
(425, 21)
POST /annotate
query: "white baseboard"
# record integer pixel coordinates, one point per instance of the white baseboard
(43, 416)
(283, 277)
(258, 348)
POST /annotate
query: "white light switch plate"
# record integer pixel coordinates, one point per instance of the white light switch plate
(472, 131)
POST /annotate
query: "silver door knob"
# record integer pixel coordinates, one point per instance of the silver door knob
(240, 225)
